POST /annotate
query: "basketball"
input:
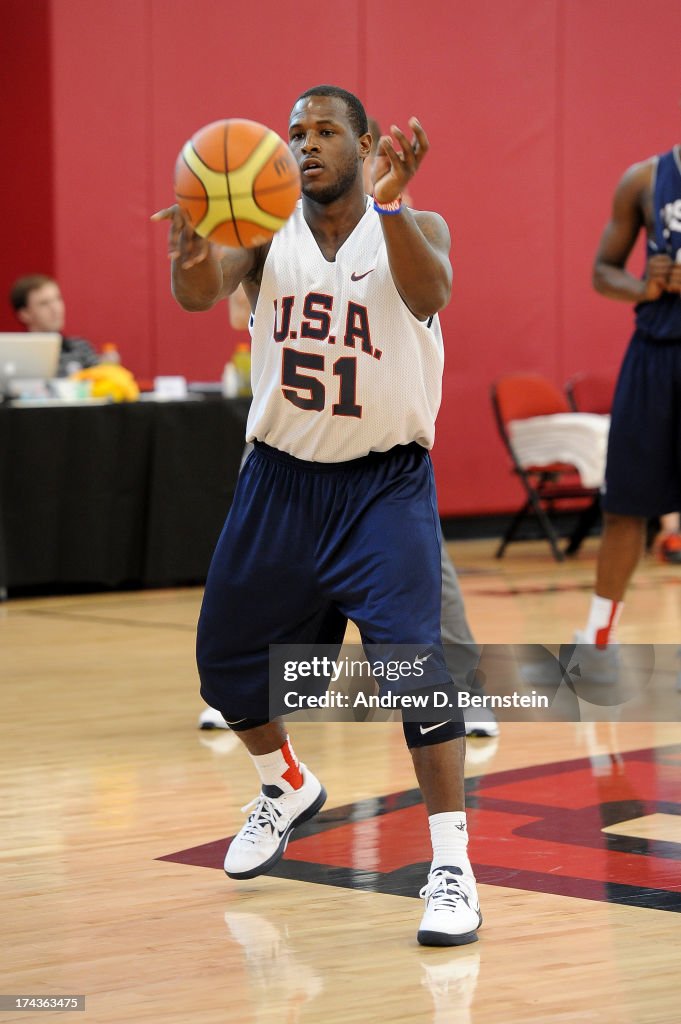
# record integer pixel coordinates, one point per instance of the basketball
(238, 182)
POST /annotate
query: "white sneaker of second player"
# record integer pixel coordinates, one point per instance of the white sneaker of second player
(588, 664)
(452, 915)
(481, 722)
(210, 718)
(591, 664)
(264, 838)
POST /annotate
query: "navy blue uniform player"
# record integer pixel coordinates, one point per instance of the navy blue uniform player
(643, 473)
(334, 516)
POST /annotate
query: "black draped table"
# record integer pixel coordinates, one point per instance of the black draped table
(115, 495)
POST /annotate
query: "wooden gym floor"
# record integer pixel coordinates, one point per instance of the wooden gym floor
(116, 810)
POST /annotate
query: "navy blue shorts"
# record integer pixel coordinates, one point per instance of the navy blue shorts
(306, 547)
(643, 471)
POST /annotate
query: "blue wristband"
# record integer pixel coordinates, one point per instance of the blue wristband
(388, 208)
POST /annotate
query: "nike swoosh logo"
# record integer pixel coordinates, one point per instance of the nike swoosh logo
(421, 657)
(475, 909)
(358, 277)
(429, 728)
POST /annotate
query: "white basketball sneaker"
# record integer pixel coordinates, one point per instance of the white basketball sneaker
(452, 915)
(264, 838)
(591, 664)
(587, 663)
(210, 718)
(481, 723)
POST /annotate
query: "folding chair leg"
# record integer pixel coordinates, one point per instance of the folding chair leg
(512, 528)
(587, 519)
(547, 525)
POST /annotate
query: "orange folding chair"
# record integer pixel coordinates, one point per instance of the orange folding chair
(547, 487)
(591, 392)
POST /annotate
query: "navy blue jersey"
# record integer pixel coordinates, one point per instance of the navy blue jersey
(661, 319)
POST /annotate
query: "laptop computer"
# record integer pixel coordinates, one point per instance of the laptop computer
(27, 356)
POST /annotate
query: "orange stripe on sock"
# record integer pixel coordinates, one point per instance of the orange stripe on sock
(293, 774)
(603, 635)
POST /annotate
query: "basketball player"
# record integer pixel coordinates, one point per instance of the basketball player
(643, 471)
(461, 652)
(334, 515)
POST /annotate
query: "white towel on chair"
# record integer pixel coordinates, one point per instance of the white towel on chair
(580, 438)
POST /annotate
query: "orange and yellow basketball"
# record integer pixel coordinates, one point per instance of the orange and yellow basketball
(238, 182)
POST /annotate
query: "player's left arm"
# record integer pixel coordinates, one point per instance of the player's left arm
(417, 242)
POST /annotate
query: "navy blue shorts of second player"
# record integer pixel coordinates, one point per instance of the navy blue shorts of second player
(306, 547)
(643, 471)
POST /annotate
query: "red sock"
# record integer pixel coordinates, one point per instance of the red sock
(603, 618)
(280, 768)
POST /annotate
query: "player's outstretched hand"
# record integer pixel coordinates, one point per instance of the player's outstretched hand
(674, 280)
(183, 242)
(393, 168)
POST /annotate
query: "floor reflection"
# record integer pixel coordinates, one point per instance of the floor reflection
(293, 975)
(451, 984)
(281, 983)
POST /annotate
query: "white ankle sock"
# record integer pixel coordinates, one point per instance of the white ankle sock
(280, 768)
(604, 615)
(449, 837)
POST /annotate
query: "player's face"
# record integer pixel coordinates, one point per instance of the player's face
(44, 309)
(327, 150)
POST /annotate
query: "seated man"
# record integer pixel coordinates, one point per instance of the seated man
(37, 302)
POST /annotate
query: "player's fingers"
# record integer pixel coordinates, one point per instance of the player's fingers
(178, 221)
(661, 263)
(191, 261)
(422, 144)
(396, 160)
(195, 252)
(178, 216)
(178, 240)
(407, 147)
(174, 248)
(400, 136)
(167, 214)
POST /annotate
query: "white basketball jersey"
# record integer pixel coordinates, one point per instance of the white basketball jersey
(340, 366)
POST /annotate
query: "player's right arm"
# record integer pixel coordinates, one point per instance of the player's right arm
(630, 214)
(203, 273)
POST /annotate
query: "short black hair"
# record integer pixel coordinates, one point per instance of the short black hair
(356, 113)
(23, 286)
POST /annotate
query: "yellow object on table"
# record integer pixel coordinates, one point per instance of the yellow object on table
(110, 381)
